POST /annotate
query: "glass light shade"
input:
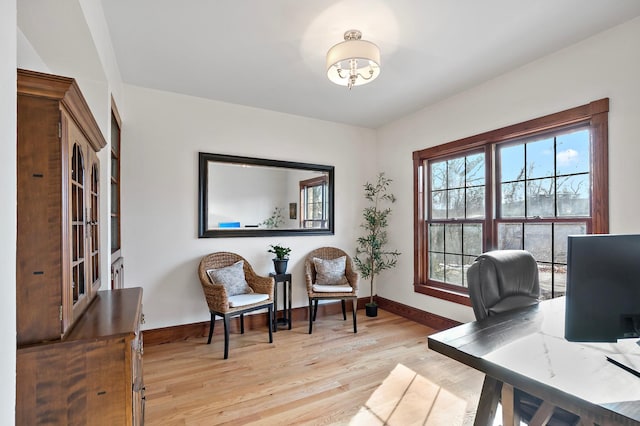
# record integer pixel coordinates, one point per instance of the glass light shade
(365, 57)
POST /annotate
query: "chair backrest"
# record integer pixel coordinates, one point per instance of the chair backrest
(329, 253)
(222, 259)
(501, 274)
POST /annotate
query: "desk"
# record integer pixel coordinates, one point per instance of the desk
(526, 349)
(285, 279)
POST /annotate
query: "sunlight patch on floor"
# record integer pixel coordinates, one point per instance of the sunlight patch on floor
(407, 398)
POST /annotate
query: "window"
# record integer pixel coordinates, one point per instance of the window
(526, 186)
(115, 182)
(544, 196)
(117, 262)
(457, 210)
(314, 202)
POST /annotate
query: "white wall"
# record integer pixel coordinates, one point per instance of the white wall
(8, 212)
(606, 65)
(27, 56)
(162, 134)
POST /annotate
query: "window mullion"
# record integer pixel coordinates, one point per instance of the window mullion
(553, 260)
(555, 177)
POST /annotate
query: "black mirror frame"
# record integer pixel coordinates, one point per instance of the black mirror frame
(203, 179)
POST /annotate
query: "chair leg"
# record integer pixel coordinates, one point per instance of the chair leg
(315, 309)
(273, 320)
(269, 326)
(213, 321)
(344, 310)
(226, 336)
(310, 315)
(355, 306)
(241, 323)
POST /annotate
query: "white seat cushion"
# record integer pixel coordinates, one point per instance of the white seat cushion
(320, 288)
(246, 299)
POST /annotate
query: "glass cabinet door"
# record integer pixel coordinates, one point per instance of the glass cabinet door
(84, 235)
(78, 220)
(93, 236)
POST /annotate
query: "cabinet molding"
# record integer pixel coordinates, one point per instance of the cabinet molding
(66, 91)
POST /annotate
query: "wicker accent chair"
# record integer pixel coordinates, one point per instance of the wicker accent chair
(330, 253)
(218, 300)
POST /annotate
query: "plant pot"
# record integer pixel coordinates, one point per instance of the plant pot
(371, 309)
(280, 265)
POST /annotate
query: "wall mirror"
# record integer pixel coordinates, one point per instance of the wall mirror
(251, 197)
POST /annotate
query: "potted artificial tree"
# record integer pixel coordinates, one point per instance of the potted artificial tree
(371, 256)
(281, 259)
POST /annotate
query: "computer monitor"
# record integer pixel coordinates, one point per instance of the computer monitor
(603, 288)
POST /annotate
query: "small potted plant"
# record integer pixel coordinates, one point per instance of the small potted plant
(281, 259)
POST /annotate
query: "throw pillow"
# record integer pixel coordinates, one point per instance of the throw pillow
(232, 278)
(330, 271)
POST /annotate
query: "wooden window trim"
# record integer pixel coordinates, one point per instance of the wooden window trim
(314, 181)
(593, 114)
(115, 254)
(309, 183)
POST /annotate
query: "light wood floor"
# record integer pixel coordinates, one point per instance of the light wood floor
(384, 374)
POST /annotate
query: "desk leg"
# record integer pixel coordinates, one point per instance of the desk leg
(510, 415)
(488, 403)
(542, 416)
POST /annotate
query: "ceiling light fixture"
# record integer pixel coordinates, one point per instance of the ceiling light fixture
(353, 62)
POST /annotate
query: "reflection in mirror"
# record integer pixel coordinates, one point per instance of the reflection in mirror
(244, 196)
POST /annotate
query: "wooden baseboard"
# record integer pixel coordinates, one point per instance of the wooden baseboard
(176, 333)
(434, 321)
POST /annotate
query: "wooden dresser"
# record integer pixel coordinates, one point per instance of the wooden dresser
(79, 350)
(94, 375)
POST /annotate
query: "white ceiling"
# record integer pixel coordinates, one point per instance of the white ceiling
(271, 53)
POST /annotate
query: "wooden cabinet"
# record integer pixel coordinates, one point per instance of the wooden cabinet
(94, 375)
(58, 270)
(79, 350)
(117, 273)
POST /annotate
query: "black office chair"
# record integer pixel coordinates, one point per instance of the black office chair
(500, 281)
(503, 280)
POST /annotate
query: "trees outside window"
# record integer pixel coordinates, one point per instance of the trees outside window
(526, 186)
(457, 210)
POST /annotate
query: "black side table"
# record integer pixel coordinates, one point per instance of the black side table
(285, 279)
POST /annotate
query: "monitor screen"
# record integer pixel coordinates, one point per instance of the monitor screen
(603, 288)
